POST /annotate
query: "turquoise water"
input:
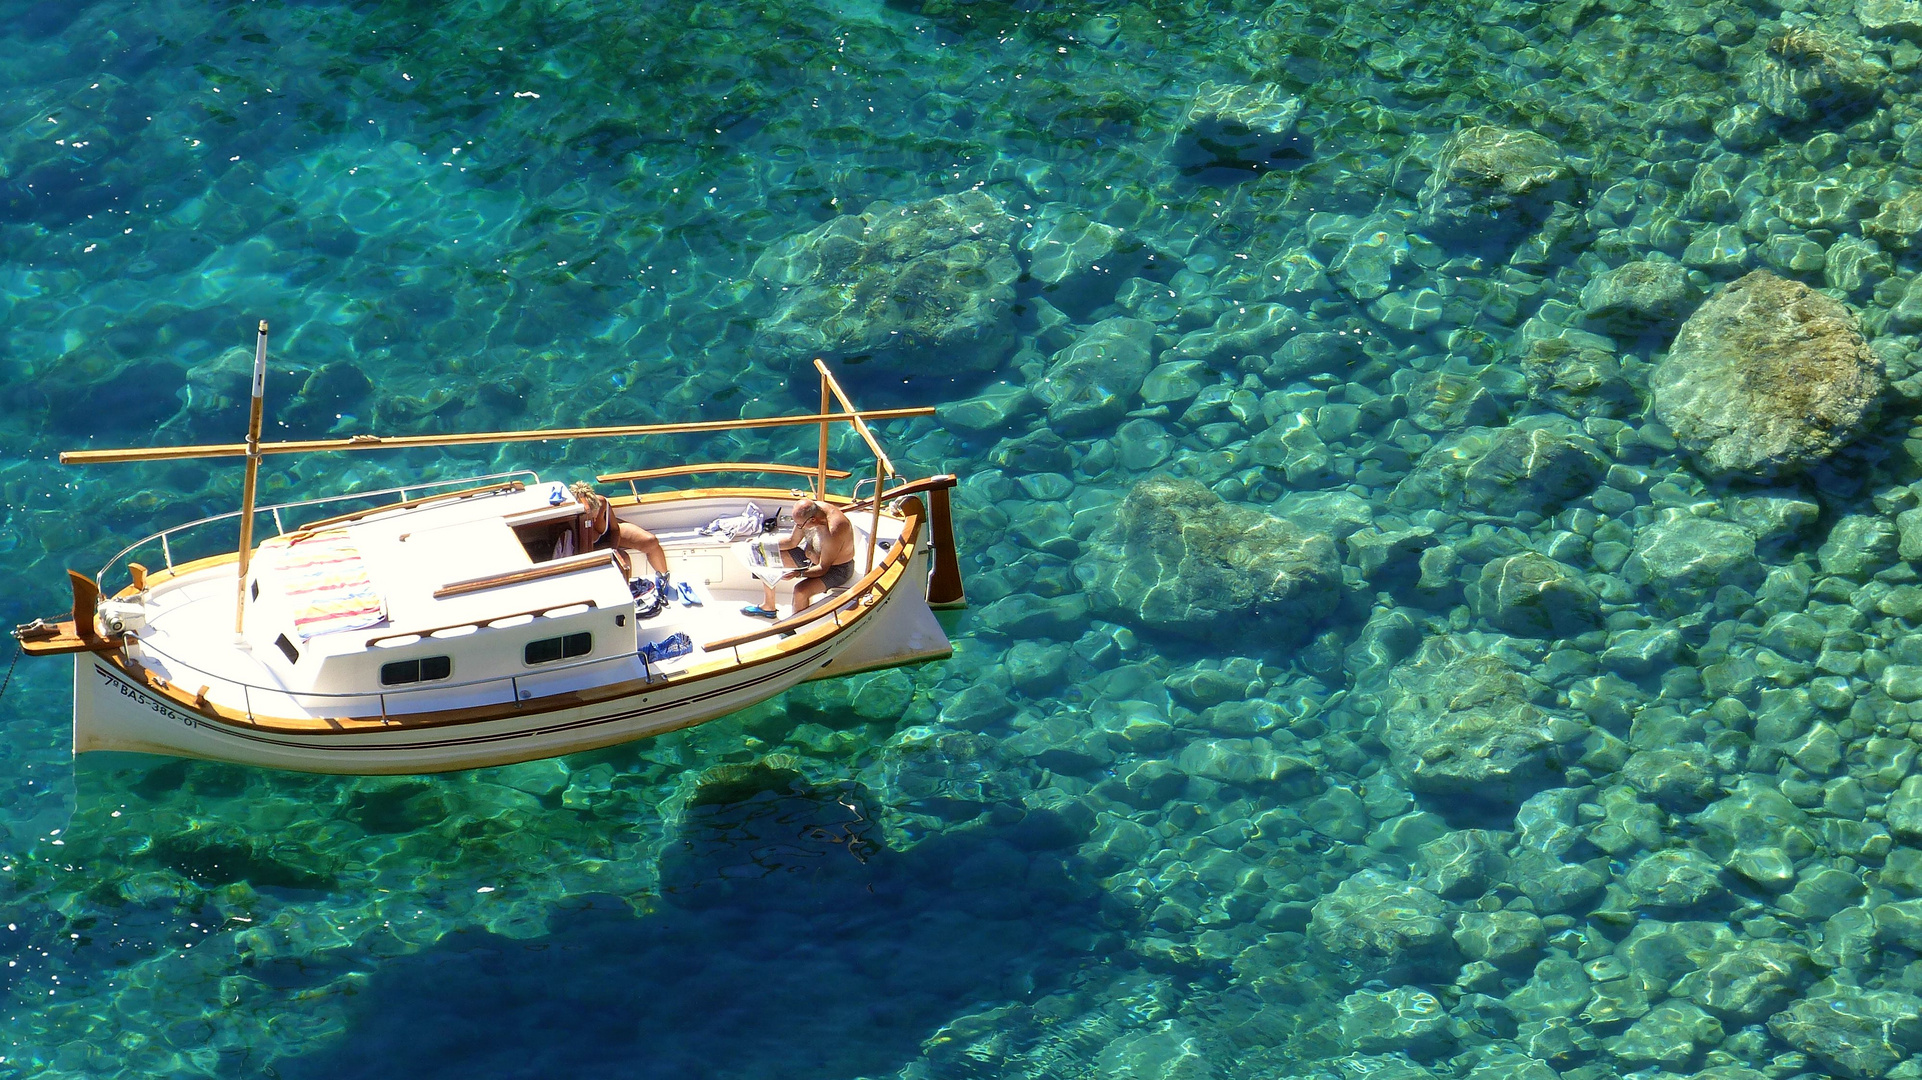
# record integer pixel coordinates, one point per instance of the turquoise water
(1384, 658)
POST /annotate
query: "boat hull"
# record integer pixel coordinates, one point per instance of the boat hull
(114, 711)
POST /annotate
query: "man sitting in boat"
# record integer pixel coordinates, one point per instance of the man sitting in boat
(821, 548)
(599, 529)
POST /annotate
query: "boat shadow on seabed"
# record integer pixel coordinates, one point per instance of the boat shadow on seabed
(790, 943)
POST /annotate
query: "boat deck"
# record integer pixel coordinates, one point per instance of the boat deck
(189, 639)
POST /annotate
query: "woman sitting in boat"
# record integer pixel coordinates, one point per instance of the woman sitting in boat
(600, 529)
(821, 548)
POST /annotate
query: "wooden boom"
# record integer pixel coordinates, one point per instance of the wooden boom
(399, 442)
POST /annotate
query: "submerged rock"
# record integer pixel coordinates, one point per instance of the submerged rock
(1640, 293)
(1669, 1035)
(1459, 720)
(1580, 380)
(1404, 1019)
(1897, 224)
(1673, 877)
(1536, 464)
(1535, 596)
(1684, 559)
(1179, 560)
(1266, 107)
(1801, 73)
(1489, 173)
(1768, 376)
(1232, 133)
(1901, 17)
(1748, 984)
(923, 288)
(1865, 1033)
(1373, 919)
(1092, 383)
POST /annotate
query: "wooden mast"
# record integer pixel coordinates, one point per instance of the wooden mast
(253, 474)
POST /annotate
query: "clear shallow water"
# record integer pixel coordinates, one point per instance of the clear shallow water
(1125, 832)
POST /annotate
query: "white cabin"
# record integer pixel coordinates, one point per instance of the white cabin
(405, 598)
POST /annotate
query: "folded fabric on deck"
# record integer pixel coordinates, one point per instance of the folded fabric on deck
(748, 522)
(325, 582)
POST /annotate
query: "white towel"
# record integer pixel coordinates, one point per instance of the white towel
(746, 523)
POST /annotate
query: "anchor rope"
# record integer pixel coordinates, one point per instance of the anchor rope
(17, 650)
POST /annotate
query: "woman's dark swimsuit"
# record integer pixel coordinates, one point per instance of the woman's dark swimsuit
(609, 535)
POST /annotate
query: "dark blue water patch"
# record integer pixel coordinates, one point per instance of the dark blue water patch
(43, 19)
(1218, 153)
(791, 943)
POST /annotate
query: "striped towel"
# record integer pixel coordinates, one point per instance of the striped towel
(326, 582)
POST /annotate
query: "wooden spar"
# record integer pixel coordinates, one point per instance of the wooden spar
(253, 473)
(883, 468)
(401, 442)
(821, 479)
(855, 415)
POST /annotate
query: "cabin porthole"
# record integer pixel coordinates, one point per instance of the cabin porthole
(420, 669)
(548, 650)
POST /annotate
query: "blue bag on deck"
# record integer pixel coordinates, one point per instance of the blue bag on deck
(667, 648)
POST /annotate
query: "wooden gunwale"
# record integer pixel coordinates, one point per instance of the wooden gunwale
(890, 573)
(401, 442)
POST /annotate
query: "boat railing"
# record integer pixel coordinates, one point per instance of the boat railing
(166, 538)
(510, 684)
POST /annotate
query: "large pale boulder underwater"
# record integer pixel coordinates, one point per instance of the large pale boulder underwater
(1488, 176)
(1179, 560)
(1768, 376)
(1462, 719)
(922, 288)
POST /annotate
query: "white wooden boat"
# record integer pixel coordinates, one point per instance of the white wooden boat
(438, 631)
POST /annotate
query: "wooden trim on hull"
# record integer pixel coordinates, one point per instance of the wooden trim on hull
(565, 735)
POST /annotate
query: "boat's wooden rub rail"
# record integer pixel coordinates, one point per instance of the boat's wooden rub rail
(846, 614)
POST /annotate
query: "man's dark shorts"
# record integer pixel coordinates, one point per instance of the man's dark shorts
(838, 577)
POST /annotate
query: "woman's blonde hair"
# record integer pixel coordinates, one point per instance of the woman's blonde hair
(581, 490)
